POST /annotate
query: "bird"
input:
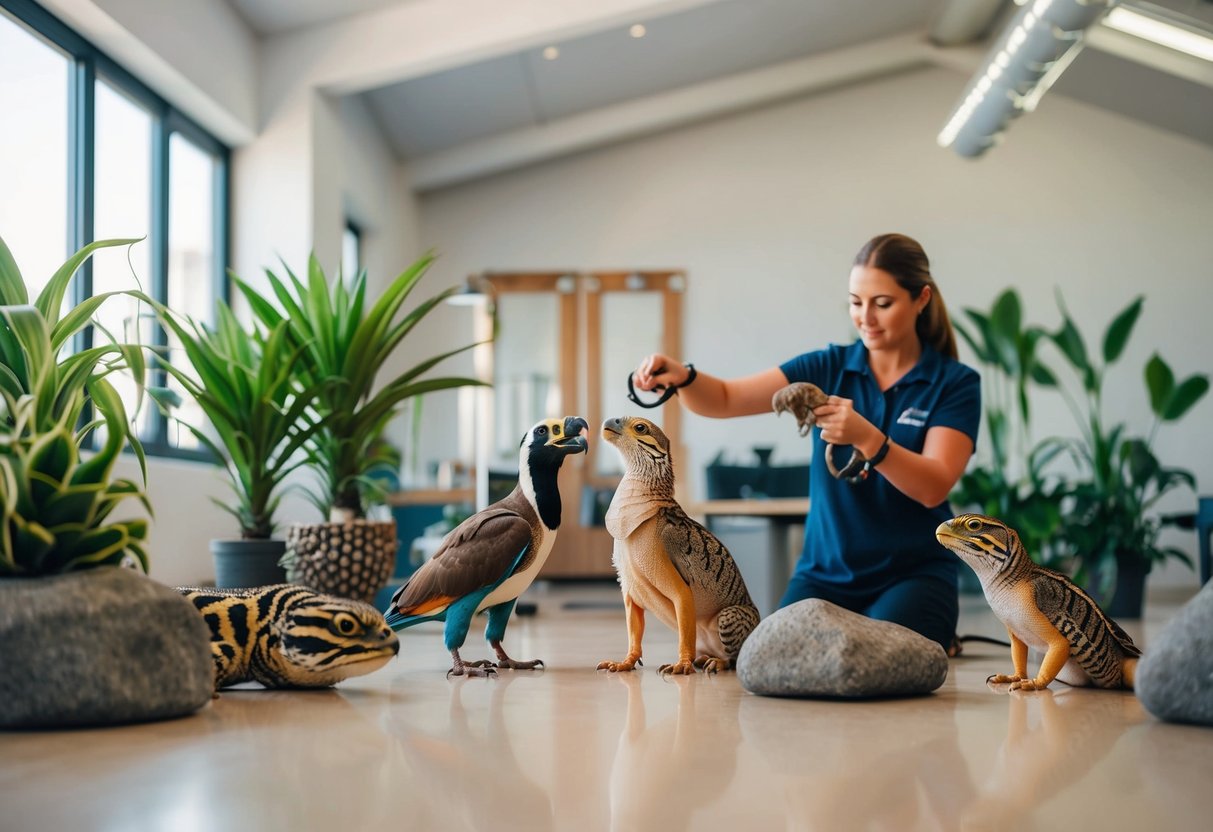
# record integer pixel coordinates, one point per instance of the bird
(490, 559)
(668, 563)
(1041, 608)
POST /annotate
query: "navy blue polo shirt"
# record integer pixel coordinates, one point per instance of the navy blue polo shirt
(870, 535)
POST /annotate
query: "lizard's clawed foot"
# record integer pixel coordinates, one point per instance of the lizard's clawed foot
(1001, 679)
(617, 667)
(712, 664)
(1028, 684)
(683, 667)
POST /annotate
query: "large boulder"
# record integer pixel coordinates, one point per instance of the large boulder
(815, 648)
(1175, 675)
(99, 646)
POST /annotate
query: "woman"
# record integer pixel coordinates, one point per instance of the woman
(901, 397)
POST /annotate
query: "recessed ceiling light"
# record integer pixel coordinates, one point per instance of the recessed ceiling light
(1159, 31)
(551, 53)
(637, 30)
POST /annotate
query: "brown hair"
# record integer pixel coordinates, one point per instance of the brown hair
(904, 259)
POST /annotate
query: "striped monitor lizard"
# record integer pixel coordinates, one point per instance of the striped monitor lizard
(669, 564)
(287, 636)
(1042, 609)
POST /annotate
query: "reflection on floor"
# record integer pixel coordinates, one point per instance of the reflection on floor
(569, 748)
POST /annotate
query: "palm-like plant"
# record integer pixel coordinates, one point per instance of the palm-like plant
(1027, 499)
(260, 415)
(1113, 518)
(343, 346)
(54, 507)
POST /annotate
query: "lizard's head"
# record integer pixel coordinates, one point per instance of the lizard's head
(644, 447)
(982, 542)
(324, 639)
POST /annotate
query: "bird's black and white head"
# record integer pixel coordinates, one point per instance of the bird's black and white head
(542, 452)
(984, 543)
(644, 447)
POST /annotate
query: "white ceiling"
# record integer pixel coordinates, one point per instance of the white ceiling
(609, 67)
(520, 94)
(273, 17)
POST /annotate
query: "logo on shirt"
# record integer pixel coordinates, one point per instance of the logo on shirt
(913, 416)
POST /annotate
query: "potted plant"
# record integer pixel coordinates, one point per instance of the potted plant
(344, 343)
(260, 418)
(1022, 494)
(1111, 532)
(115, 645)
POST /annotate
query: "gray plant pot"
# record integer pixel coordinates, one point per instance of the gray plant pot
(248, 563)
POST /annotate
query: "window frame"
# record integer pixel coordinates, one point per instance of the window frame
(89, 65)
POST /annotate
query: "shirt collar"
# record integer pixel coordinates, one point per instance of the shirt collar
(924, 370)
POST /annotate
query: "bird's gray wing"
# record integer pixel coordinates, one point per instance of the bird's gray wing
(478, 553)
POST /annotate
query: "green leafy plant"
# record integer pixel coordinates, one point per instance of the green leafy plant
(1022, 494)
(1112, 517)
(344, 345)
(260, 416)
(55, 507)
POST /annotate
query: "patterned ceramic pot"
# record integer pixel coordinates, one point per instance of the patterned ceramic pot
(352, 560)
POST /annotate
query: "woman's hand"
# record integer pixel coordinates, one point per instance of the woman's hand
(659, 370)
(841, 425)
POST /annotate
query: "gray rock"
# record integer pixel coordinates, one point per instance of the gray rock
(815, 648)
(1175, 675)
(99, 646)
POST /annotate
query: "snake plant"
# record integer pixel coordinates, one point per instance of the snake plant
(260, 416)
(344, 343)
(55, 507)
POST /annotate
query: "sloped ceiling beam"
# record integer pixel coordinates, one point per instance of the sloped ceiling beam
(666, 110)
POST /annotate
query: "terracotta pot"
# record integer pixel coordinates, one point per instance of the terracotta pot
(352, 560)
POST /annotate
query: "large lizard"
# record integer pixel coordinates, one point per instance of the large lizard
(668, 563)
(1042, 609)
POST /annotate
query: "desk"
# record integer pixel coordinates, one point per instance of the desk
(431, 497)
(765, 552)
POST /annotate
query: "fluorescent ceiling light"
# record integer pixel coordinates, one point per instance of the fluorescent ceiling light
(1148, 27)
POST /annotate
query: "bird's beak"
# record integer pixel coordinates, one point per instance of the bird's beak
(572, 440)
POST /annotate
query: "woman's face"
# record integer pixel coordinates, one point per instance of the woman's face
(883, 312)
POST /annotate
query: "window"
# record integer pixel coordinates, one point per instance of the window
(33, 152)
(87, 153)
(351, 252)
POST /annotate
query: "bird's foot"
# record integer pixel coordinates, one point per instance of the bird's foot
(480, 663)
(616, 667)
(682, 667)
(713, 664)
(462, 668)
(507, 662)
(1028, 684)
(1002, 679)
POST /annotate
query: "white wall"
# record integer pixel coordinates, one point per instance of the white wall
(198, 54)
(765, 211)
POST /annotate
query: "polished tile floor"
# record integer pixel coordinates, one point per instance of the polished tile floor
(572, 749)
